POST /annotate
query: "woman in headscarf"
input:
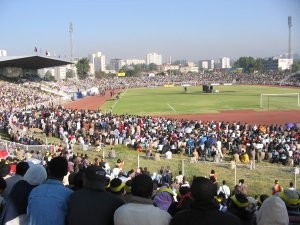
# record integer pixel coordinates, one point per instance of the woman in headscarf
(16, 205)
(272, 212)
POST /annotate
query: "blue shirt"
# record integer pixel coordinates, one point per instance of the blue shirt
(48, 203)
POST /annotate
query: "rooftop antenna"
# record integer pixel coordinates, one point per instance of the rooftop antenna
(290, 26)
(71, 40)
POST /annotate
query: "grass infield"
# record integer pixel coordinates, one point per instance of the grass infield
(174, 101)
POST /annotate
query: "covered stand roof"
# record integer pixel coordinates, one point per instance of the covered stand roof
(31, 62)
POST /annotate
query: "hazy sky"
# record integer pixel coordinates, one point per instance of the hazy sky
(182, 29)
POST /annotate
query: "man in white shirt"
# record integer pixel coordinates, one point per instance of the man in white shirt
(225, 189)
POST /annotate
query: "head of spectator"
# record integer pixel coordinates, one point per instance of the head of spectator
(116, 186)
(127, 186)
(203, 190)
(239, 205)
(21, 168)
(142, 186)
(164, 198)
(35, 175)
(94, 178)
(291, 199)
(272, 212)
(58, 168)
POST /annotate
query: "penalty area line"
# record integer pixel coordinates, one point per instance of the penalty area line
(171, 107)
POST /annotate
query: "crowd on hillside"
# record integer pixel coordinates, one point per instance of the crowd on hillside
(202, 140)
(71, 189)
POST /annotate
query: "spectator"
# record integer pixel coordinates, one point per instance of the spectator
(21, 169)
(203, 210)
(17, 201)
(93, 205)
(272, 212)
(141, 209)
(49, 202)
(277, 187)
(164, 198)
(225, 189)
(184, 201)
(239, 205)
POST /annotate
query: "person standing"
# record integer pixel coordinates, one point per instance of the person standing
(141, 210)
(93, 205)
(21, 169)
(48, 203)
(277, 187)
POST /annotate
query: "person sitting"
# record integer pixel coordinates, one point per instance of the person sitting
(244, 157)
(164, 198)
(238, 205)
(204, 210)
(292, 202)
(141, 210)
(272, 211)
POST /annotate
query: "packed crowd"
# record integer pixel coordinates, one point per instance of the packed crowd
(25, 95)
(36, 194)
(202, 140)
(60, 187)
(21, 96)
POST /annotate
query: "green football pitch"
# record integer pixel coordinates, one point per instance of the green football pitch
(174, 100)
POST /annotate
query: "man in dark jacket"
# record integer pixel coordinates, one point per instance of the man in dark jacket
(203, 210)
(93, 205)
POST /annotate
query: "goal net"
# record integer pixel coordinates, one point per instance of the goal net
(280, 100)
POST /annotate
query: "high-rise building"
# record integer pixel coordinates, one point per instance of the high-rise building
(154, 58)
(97, 62)
(116, 64)
(225, 63)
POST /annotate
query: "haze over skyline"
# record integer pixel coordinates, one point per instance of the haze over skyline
(190, 29)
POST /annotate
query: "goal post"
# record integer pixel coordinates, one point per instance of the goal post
(296, 95)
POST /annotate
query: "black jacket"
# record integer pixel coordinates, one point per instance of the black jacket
(93, 207)
(204, 214)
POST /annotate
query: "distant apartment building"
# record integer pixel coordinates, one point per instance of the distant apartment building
(97, 62)
(3, 53)
(134, 61)
(207, 64)
(116, 64)
(154, 58)
(204, 65)
(225, 63)
(275, 64)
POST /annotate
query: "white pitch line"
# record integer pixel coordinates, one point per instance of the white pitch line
(171, 107)
(122, 94)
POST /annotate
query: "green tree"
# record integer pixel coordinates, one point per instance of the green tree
(152, 67)
(49, 76)
(70, 73)
(247, 63)
(83, 68)
(296, 67)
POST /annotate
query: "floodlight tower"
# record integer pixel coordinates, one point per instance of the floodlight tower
(290, 27)
(71, 40)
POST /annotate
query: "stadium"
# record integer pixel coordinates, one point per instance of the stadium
(240, 127)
